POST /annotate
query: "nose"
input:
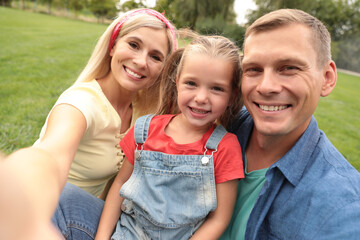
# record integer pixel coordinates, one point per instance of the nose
(269, 83)
(140, 59)
(201, 96)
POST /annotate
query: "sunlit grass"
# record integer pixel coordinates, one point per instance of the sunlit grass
(42, 55)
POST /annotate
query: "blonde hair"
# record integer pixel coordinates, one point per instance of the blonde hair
(98, 65)
(212, 46)
(321, 39)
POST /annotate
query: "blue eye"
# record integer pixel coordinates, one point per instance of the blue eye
(290, 68)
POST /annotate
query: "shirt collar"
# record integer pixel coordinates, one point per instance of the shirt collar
(293, 163)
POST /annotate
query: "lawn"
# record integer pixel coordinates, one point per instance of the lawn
(42, 55)
(338, 115)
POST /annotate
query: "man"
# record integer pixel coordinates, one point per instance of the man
(297, 185)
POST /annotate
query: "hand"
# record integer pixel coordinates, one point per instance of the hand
(18, 220)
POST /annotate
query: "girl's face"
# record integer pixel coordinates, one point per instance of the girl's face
(138, 57)
(204, 89)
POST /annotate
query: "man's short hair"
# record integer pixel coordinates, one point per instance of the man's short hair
(321, 39)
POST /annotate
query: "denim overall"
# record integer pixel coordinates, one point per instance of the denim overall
(167, 196)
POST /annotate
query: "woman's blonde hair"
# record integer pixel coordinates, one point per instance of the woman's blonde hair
(98, 65)
(214, 47)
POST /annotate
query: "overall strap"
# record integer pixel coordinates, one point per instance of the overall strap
(141, 128)
(216, 137)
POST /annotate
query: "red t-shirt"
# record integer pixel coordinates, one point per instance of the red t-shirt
(228, 164)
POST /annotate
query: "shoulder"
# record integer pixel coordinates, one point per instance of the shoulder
(82, 94)
(89, 99)
(160, 120)
(330, 190)
(230, 140)
(242, 118)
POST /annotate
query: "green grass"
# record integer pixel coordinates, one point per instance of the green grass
(338, 115)
(42, 55)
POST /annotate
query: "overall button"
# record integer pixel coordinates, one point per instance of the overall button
(204, 160)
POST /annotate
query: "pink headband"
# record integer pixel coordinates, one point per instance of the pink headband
(137, 12)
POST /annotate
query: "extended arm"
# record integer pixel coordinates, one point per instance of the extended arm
(112, 207)
(217, 221)
(40, 171)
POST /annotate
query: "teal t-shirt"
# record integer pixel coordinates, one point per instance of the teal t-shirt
(248, 191)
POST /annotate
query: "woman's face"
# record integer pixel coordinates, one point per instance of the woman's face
(138, 57)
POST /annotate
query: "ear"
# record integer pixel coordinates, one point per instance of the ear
(330, 78)
(112, 51)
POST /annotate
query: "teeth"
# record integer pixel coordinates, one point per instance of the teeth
(272, 108)
(199, 111)
(132, 73)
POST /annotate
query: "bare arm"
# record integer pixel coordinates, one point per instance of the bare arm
(112, 207)
(41, 171)
(217, 221)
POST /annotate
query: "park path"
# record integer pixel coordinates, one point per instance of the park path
(349, 72)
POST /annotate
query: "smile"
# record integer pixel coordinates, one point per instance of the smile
(200, 111)
(273, 108)
(133, 74)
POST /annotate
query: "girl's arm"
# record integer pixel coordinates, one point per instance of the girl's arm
(41, 171)
(217, 221)
(112, 208)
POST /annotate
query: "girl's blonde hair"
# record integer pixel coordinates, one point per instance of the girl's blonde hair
(98, 65)
(212, 46)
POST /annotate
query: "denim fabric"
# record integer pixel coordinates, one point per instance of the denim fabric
(78, 213)
(167, 196)
(312, 192)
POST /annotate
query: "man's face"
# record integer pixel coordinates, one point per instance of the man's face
(281, 82)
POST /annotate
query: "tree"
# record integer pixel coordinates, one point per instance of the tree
(6, 3)
(132, 4)
(76, 5)
(189, 13)
(49, 3)
(204, 16)
(341, 17)
(103, 8)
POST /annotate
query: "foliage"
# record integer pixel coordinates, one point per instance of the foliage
(103, 8)
(341, 17)
(203, 16)
(131, 4)
(76, 5)
(188, 13)
(6, 3)
(217, 26)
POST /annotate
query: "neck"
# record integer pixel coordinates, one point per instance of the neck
(263, 151)
(182, 132)
(119, 97)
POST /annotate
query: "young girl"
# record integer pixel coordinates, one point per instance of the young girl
(184, 167)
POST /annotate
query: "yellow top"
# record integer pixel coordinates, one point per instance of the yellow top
(98, 157)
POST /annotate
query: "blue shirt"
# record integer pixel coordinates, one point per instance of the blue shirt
(312, 192)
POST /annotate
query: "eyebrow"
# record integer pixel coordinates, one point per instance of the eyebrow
(162, 55)
(278, 61)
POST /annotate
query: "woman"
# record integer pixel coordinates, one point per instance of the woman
(80, 136)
